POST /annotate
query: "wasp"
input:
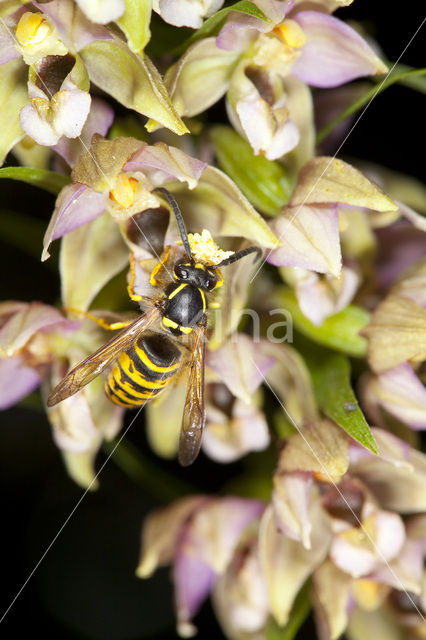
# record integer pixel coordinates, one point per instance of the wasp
(152, 350)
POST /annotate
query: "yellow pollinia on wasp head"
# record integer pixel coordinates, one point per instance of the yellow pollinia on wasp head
(148, 353)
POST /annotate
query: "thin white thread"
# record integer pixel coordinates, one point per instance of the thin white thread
(337, 151)
(325, 471)
(76, 506)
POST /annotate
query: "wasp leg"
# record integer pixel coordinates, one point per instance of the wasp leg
(152, 279)
(130, 287)
(110, 326)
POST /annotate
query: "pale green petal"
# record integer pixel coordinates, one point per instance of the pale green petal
(135, 23)
(81, 468)
(327, 179)
(14, 96)
(396, 333)
(132, 80)
(200, 78)
(218, 205)
(90, 256)
(286, 563)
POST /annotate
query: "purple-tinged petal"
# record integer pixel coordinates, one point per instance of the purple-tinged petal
(73, 427)
(102, 11)
(162, 531)
(70, 111)
(267, 128)
(402, 394)
(239, 31)
(286, 563)
(310, 239)
(240, 596)
(399, 247)
(73, 26)
(398, 478)
(98, 121)
(76, 205)
(167, 163)
(186, 13)
(16, 381)
(405, 571)
(37, 127)
(227, 439)
(332, 591)
(320, 298)
(217, 527)
(193, 580)
(22, 325)
(334, 53)
(241, 365)
(8, 50)
(290, 499)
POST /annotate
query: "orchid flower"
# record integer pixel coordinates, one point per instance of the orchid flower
(251, 60)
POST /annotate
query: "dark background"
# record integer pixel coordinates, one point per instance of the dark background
(85, 587)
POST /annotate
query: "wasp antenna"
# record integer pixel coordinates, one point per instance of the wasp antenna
(179, 219)
(239, 255)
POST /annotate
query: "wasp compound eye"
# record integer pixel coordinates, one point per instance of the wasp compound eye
(181, 272)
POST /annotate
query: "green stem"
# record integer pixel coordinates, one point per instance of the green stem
(160, 484)
(395, 76)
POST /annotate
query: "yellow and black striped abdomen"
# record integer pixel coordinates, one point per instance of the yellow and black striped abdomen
(142, 372)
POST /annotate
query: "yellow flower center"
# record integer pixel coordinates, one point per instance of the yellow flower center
(124, 191)
(205, 250)
(32, 29)
(291, 33)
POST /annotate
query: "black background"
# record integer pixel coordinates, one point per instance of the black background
(85, 587)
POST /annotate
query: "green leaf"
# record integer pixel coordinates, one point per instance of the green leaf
(213, 25)
(135, 23)
(266, 183)
(298, 615)
(395, 76)
(14, 96)
(48, 180)
(331, 377)
(132, 80)
(339, 332)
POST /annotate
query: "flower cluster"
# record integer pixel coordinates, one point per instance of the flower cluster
(333, 518)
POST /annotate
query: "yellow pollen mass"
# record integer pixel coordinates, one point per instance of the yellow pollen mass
(291, 33)
(205, 250)
(32, 29)
(124, 191)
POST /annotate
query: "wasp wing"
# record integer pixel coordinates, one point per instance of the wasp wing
(92, 366)
(194, 417)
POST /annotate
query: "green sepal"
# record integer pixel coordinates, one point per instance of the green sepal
(14, 96)
(132, 80)
(265, 183)
(213, 25)
(339, 331)
(135, 23)
(299, 613)
(332, 386)
(90, 256)
(49, 180)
